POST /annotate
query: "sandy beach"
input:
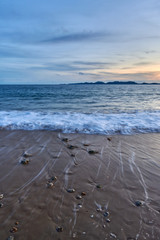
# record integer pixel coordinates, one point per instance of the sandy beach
(78, 186)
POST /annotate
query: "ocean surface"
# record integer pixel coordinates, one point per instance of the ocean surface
(94, 109)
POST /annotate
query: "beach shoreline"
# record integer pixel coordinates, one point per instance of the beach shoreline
(113, 172)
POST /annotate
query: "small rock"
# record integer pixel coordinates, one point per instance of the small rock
(92, 216)
(79, 205)
(99, 209)
(65, 139)
(85, 144)
(138, 203)
(54, 178)
(16, 223)
(10, 238)
(98, 186)
(25, 161)
(74, 235)
(109, 139)
(1, 196)
(59, 229)
(71, 147)
(71, 190)
(78, 197)
(50, 184)
(83, 233)
(108, 220)
(1, 205)
(92, 152)
(106, 214)
(13, 229)
(104, 226)
(25, 154)
(83, 194)
(113, 235)
(72, 155)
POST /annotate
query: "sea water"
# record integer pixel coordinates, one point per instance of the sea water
(95, 109)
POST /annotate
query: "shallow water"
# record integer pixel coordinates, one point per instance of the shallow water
(104, 109)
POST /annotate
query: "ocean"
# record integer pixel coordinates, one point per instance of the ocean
(92, 109)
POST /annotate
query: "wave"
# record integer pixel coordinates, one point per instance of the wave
(95, 123)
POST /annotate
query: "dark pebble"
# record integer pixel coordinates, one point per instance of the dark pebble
(65, 139)
(25, 161)
(78, 197)
(83, 193)
(106, 214)
(59, 229)
(98, 186)
(92, 152)
(13, 229)
(71, 147)
(1, 205)
(108, 220)
(72, 190)
(138, 203)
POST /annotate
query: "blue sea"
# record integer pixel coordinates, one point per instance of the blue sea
(92, 109)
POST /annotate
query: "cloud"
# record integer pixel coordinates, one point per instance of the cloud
(73, 66)
(78, 37)
(142, 63)
(90, 63)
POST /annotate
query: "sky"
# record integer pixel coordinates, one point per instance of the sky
(66, 41)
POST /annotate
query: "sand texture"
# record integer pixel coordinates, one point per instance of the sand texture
(76, 186)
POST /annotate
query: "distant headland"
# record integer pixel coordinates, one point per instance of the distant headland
(114, 83)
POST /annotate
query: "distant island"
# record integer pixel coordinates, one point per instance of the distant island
(114, 82)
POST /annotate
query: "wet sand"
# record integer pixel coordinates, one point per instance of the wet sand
(113, 172)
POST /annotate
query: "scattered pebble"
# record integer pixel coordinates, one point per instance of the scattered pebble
(65, 139)
(79, 205)
(71, 190)
(83, 233)
(99, 209)
(1, 196)
(10, 238)
(106, 214)
(113, 235)
(108, 220)
(16, 223)
(78, 197)
(104, 226)
(109, 139)
(71, 147)
(98, 186)
(1, 205)
(72, 155)
(13, 229)
(74, 235)
(25, 161)
(92, 152)
(59, 229)
(25, 154)
(138, 203)
(85, 145)
(50, 184)
(92, 216)
(54, 178)
(83, 193)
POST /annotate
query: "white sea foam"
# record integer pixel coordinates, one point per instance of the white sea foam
(122, 123)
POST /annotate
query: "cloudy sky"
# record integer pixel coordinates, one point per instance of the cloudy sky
(62, 41)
